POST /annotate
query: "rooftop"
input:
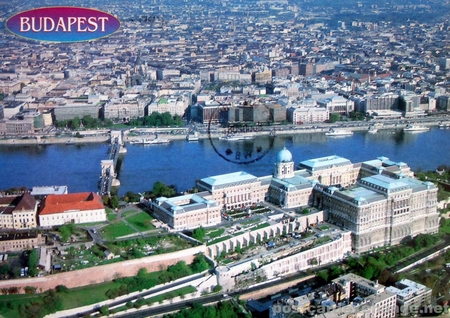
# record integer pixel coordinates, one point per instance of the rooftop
(49, 190)
(385, 183)
(240, 177)
(295, 183)
(324, 163)
(407, 289)
(186, 203)
(60, 203)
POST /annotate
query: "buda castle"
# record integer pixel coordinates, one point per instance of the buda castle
(379, 201)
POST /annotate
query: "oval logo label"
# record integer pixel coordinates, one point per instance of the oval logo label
(63, 24)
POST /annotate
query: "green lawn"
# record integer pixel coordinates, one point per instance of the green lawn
(83, 296)
(215, 233)
(127, 213)
(220, 239)
(261, 226)
(141, 221)
(115, 230)
(111, 215)
(90, 224)
(250, 222)
(75, 297)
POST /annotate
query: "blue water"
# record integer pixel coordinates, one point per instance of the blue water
(181, 163)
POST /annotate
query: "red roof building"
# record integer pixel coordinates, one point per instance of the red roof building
(83, 207)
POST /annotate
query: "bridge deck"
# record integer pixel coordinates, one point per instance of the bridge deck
(108, 174)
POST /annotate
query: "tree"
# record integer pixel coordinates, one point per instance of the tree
(199, 264)
(217, 288)
(104, 310)
(368, 272)
(96, 250)
(66, 231)
(88, 121)
(161, 189)
(354, 115)
(30, 290)
(75, 123)
(199, 233)
(114, 202)
(33, 309)
(108, 123)
(142, 272)
(33, 261)
(131, 197)
(180, 269)
(61, 289)
(4, 269)
(334, 117)
(13, 290)
(313, 261)
(166, 119)
(323, 274)
(335, 271)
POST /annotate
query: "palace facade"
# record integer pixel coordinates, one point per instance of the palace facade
(379, 201)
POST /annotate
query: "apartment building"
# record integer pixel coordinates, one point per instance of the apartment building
(119, 108)
(18, 212)
(19, 241)
(307, 115)
(410, 296)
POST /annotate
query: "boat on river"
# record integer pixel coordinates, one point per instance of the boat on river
(415, 128)
(338, 132)
(233, 137)
(372, 130)
(192, 137)
(148, 141)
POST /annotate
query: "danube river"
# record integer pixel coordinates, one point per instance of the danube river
(181, 163)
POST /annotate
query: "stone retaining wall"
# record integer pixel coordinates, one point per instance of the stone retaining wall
(104, 273)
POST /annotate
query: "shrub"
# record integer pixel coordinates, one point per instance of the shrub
(217, 288)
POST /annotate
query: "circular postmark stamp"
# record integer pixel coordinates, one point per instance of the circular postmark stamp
(242, 142)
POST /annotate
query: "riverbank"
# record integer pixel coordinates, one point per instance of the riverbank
(53, 140)
(148, 132)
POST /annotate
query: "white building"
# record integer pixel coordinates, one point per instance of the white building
(120, 108)
(410, 295)
(337, 104)
(235, 190)
(307, 115)
(174, 104)
(289, 188)
(188, 211)
(18, 212)
(83, 207)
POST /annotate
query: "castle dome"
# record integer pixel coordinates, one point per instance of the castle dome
(284, 156)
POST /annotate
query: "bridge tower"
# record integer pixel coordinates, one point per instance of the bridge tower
(117, 136)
